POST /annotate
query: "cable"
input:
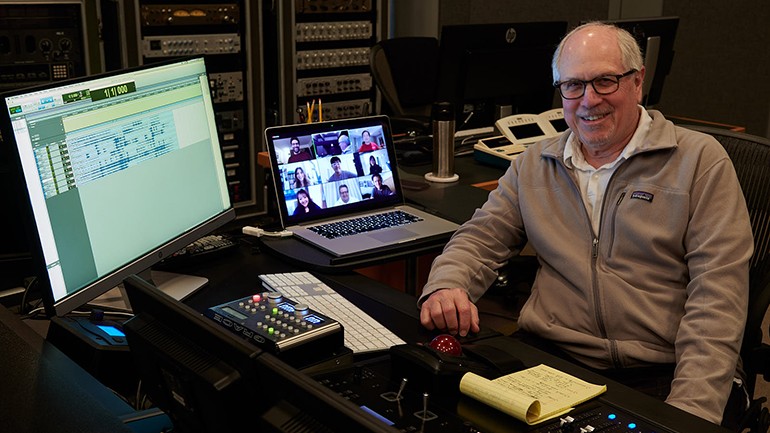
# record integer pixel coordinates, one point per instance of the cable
(467, 119)
(258, 232)
(32, 313)
(108, 311)
(27, 289)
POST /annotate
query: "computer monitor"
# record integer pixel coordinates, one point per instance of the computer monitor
(209, 380)
(116, 172)
(489, 71)
(656, 38)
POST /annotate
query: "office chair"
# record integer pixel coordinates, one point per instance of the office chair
(751, 157)
(405, 70)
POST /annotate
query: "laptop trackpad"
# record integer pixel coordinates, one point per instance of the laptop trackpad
(394, 235)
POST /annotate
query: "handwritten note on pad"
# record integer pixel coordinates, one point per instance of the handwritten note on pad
(532, 395)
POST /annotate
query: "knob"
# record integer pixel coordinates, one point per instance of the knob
(274, 297)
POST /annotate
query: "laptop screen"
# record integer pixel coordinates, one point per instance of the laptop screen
(335, 168)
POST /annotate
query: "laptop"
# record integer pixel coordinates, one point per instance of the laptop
(330, 177)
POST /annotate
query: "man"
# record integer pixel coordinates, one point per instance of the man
(344, 143)
(339, 173)
(345, 197)
(380, 190)
(296, 154)
(641, 233)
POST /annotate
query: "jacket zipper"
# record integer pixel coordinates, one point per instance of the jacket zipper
(595, 255)
(594, 259)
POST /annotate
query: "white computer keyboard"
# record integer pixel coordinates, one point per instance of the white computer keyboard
(362, 333)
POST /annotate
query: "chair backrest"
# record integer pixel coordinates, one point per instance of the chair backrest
(750, 155)
(405, 70)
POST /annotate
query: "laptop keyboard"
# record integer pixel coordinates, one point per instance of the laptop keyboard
(362, 333)
(364, 224)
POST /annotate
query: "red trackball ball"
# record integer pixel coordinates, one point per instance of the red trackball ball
(446, 343)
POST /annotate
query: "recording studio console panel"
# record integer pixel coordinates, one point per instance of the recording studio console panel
(277, 324)
(410, 394)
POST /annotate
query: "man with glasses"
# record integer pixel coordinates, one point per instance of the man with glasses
(641, 232)
(344, 196)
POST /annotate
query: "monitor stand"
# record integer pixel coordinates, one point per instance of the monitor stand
(178, 286)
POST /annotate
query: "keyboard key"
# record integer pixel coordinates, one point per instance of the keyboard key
(362, 332)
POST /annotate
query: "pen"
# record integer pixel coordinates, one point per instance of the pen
(320, 111)
(309, 113)
(312, 108)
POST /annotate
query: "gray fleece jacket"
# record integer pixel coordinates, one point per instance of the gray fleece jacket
(665, 280)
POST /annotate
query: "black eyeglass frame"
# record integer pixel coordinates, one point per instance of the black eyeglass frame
(617, 77)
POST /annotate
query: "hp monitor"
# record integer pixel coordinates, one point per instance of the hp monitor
(490, 71)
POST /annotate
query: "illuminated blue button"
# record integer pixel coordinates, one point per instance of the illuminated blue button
(611, 416)
(631, 425)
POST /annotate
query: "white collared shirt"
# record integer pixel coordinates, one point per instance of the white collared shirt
(593, 181)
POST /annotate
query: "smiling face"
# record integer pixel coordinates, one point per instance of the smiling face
(336, 166)
(602, 123)
(299, 174)
(303, 198)
(295, 146)
(366, 137)
(344, 194)
(377, 181)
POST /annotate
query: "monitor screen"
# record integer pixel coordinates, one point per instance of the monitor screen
(210, 380)
(117, 171)
(656, 38)
(491, 71)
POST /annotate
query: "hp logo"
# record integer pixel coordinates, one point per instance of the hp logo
(510, 35)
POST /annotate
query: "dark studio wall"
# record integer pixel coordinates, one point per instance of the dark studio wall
(721, 69)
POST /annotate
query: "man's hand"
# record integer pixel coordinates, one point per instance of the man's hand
(450, 309)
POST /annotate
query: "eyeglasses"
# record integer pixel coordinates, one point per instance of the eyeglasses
(604, 85)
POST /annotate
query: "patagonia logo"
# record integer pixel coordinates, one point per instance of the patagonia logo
(641, 195)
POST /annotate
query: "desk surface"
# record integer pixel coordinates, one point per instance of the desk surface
(41, 390)
(235, 276)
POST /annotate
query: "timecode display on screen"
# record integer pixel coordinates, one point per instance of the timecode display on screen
(113, 91)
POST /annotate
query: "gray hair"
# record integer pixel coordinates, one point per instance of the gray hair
(630, 53)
